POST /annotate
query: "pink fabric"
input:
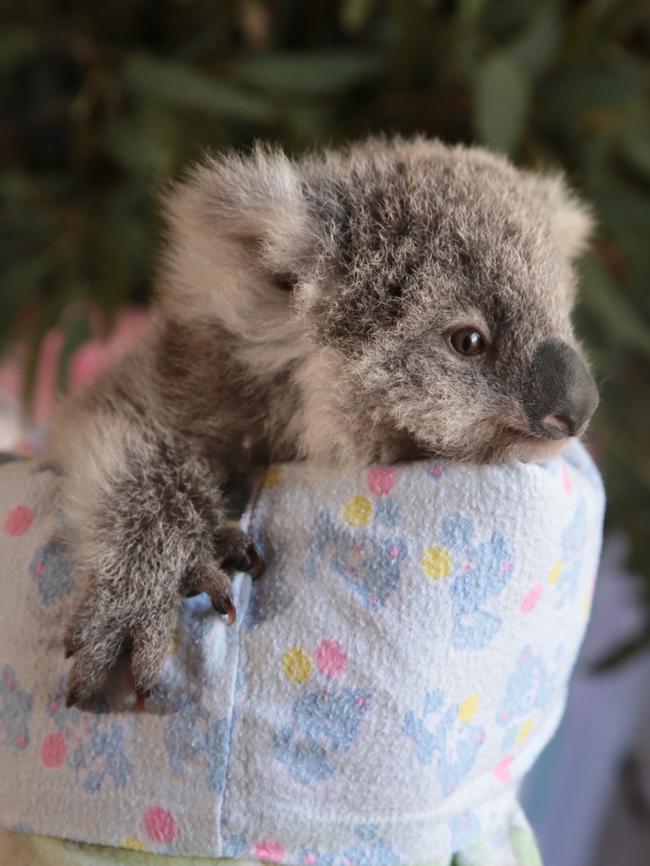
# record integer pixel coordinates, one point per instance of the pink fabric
(86, 364)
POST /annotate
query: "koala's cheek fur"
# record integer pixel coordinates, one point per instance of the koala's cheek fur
(441, 406)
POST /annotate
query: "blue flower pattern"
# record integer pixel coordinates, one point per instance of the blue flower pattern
(323, 724)
(529, 688)
(52, 571)
(191, 733)
(16, 707)
(481, 571)
(453, 743)
(573, 544)
(97, 746)
(371, 850)
(370, 564)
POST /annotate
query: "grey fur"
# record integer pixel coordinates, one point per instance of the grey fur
(304, 312)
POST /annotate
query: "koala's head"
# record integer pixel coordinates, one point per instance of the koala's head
(420, 295)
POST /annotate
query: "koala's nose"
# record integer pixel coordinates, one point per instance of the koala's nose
(561, 395)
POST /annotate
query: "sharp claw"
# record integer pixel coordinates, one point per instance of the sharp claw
(71, 699)
(141, 697)
(68, 653)
(257, 563)
(227, 608)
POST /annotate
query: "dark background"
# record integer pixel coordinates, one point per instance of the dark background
(101, 102)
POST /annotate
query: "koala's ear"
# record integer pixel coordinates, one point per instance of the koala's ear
(571, 218)
(253, 202)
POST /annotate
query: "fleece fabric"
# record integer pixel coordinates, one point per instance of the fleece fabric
(388, 682)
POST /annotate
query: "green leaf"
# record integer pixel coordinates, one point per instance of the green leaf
(469, 11)
(313, 72)
(184, 87)
(636, 148)
(355, 13)
(144, 144)
(20, 283)
(537, 46)
(580, 90)
(623, 207)
(606, 301)
(16, 43)
(501, 101)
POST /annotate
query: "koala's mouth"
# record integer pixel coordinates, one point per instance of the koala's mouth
(525, 445)
(516, 434)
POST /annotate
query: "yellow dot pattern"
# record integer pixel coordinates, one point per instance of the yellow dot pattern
(436, 562)
(556, 571)
(469, 707)
(358, 511)
(134, 844)
(297, 664)
(524, 731)
(272, 477)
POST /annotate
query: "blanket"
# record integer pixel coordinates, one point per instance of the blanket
(388, 682)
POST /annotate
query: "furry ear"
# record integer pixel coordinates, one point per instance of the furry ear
(253, 202)
(239, 240)
(571, 218)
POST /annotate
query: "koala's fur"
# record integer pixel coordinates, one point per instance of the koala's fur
(303, 313)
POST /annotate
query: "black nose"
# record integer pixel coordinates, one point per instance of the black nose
(561, 394)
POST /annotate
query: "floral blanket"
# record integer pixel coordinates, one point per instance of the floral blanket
(389, 680)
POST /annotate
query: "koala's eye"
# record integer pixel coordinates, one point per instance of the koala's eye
(468, 341)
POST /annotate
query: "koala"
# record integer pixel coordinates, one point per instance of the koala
(391, 300)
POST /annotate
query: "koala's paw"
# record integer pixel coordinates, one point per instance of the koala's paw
(108, 621)
(140, 615)
(234, 549)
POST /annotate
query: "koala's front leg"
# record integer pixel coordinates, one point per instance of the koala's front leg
(156, 534)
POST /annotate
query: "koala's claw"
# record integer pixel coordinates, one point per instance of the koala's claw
(256, 563)
(216, 583)
(234, 549)
(226, 607)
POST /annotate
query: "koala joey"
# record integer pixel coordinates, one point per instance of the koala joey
(396, 299)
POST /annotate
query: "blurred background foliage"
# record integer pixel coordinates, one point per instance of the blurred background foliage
(101, 102)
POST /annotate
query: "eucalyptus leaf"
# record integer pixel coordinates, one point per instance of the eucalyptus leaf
(355, 13)
(316, 72)
(502, 93)
(537, 46)
(469, 11)
(184, 87)
(142, 145)
(21, 282)
(613, 310)
(636, 148)
(15, 44)
(581, 90)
